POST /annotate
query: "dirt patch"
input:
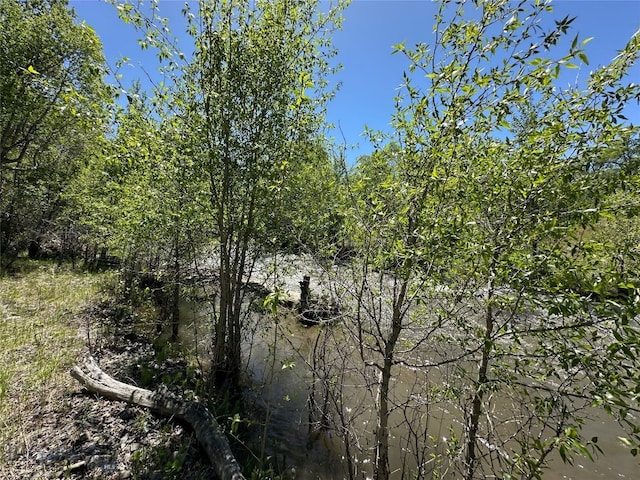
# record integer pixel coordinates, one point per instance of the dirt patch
(73, 434)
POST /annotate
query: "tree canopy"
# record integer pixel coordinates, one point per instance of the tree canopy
(52, 103)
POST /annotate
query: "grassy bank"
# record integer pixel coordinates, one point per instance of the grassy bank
(40, 336)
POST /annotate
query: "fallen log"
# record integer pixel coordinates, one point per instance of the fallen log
(195, 414)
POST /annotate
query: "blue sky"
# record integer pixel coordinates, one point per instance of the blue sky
(371, 74)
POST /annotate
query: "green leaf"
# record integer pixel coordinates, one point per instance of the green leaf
(399, 47)
(288, 365)
(626, 441)
(585, 41)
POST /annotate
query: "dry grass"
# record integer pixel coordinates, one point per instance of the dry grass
(39, 336)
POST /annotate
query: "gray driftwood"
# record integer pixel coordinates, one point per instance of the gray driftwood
(195, 414)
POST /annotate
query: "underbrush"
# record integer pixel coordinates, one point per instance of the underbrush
(50, 317)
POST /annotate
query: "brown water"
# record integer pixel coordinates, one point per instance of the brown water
(279, 382)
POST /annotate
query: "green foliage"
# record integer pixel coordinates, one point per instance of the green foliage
(496, 232)
(215, 158)
(133, 199)
(51, 116)
(246, 107)
(617, 229)
(474, 220)
(306, 215)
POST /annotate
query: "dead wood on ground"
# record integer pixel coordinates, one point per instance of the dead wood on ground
(195, 414)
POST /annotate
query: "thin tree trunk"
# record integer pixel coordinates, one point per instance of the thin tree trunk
(175, 286)
(382, 468)
(473, 422)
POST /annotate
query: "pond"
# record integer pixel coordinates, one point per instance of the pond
(279, 379)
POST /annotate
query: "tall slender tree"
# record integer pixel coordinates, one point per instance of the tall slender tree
(252, 91)
(257, 76)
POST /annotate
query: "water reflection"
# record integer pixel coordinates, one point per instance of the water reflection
(279, 372)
